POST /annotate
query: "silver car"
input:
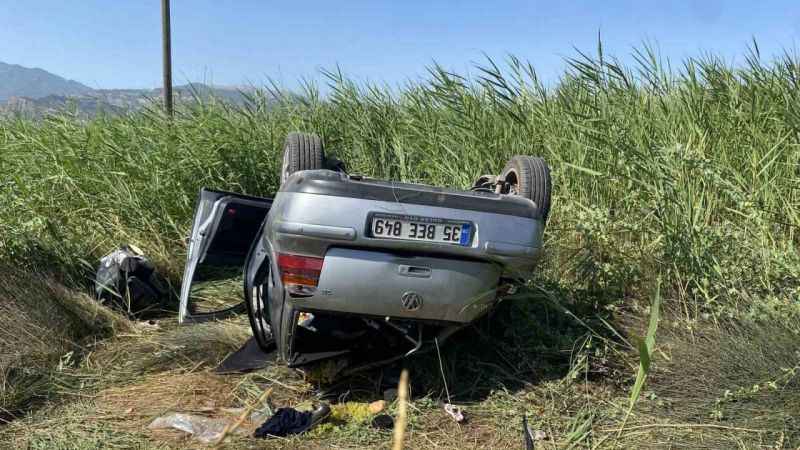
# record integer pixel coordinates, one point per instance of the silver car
(367, 271)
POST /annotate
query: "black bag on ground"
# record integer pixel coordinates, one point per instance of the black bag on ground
(128, 281)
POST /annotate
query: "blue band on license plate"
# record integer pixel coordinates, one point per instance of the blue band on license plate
(465, 229)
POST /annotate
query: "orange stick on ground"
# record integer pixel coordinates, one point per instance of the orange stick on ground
(242, 417)
(400, 423)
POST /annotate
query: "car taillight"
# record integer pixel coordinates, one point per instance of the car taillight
(300, 274)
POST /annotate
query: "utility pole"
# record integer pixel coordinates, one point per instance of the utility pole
(167, 51)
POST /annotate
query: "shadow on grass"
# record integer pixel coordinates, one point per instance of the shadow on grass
(745, 374)
(45, 327)
(528, 339)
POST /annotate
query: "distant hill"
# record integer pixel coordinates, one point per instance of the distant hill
(18, 81)
(34, 92)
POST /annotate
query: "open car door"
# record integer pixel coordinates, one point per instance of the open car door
(225, 225)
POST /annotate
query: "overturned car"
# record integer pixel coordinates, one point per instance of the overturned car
(363, 270)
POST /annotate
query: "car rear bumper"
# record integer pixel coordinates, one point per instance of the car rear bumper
(384, 284)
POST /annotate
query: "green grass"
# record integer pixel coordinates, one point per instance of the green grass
(688, 172)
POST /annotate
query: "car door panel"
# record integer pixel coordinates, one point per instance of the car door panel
(224, 228)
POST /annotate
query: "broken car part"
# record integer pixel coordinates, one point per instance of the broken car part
(250, 356)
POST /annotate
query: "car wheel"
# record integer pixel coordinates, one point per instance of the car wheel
(259, 319)
(302, 151)
(529, 177)
(257, 283)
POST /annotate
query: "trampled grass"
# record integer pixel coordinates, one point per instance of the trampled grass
(690, 174)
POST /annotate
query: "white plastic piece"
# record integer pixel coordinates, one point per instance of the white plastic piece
(203, 429)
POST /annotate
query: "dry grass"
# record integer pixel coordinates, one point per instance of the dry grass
(743, 376)
(171, 391)
(577, 409)
(166, 347)
(44, 328)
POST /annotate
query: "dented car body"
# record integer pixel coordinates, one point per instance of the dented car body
(363, 270)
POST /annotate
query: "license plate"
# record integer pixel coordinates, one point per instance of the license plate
(415, 228)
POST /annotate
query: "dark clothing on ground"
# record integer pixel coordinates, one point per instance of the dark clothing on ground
(284, 422)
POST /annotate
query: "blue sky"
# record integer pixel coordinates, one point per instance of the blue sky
(110, 44)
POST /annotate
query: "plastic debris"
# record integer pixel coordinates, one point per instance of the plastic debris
(262, 414)
(451, 409)
(204, 429)
(531, 436)
(127, 280)
(233, 427)
(454, 412)
(305, 320)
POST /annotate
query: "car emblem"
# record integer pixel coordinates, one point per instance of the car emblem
(411, 301)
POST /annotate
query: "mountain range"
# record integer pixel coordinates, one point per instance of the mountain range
(18, 81)
(34, 91)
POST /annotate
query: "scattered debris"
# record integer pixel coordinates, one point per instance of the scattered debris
(203, 429)
(382, 422)
(527, 434)
(284, 422)
(357, 412)
(147, 325)
(454, 412)
(305, 320)
(377, 406)
(531, 436)
(288, 421)
(262, 414)
(249, 357)
(243, 416)
(126, 280)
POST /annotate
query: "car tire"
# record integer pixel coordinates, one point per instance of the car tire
(302, 151)
(529, 177)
